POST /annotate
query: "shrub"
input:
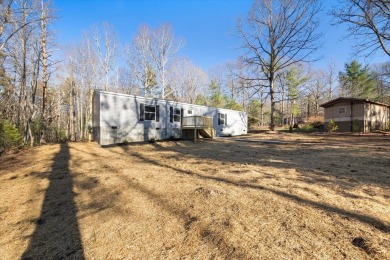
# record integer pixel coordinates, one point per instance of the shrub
(60, 135)
(252, 121)
(308, 128)
(316, 121)
(332, 126)
(152, 140)
(9, 135)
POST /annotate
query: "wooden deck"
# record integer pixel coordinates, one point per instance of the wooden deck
(202, 125)
(198, 122)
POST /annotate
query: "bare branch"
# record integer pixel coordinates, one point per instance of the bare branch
(368, 21)
(279, 34)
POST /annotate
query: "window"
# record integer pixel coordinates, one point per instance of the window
(189, 112)
(222, 119)
(149, 112)
(174, 114)
(342, 110)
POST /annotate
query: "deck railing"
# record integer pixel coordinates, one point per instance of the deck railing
(197, 122)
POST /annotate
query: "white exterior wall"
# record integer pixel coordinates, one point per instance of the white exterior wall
(120, 119)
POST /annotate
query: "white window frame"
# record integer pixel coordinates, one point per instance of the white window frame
(341, 110)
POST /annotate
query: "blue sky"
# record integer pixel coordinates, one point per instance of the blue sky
(207, 26)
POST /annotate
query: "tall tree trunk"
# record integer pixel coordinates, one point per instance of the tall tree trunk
(282, 107)
(23, 77)
(308, 110)
(90, 113)
(71, 113)
(163, 83)
(44, 72)
(272, 98)
(74, 107)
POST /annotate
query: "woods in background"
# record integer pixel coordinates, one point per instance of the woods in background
(43, 99)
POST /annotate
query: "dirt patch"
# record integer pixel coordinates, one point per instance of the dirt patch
(308, 196)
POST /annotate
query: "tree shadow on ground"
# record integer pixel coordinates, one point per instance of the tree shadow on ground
(207, 234)
(312, 161)
(57, 234)
(366, 219)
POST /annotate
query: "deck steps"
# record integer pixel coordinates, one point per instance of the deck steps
(207, 132)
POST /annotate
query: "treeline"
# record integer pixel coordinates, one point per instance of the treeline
(47, 100)
(28, 101)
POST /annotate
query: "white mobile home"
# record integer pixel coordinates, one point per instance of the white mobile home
(119, 118)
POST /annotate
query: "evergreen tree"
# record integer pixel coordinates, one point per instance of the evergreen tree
(254, 108)
(201, 100)
(216, 97)
(151, 81)
(232, 104)
(294, 79)
(357, 81)
(9, 135)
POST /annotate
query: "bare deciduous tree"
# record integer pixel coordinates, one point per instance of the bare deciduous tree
(127, 82)
(331, 76)
(139, 59)
(5, 13)
(163, 47)
(186, 80)
(105, 47)
(278, 34)
(45, 73)
(317, 90)
(368, 21)
(8, 10)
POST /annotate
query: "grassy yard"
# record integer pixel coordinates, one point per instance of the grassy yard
(264, 195)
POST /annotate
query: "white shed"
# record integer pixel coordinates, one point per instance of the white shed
(119, 118)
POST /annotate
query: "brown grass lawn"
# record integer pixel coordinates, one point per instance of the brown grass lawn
(310, 197)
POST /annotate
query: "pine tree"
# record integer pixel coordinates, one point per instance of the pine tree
(357, 81)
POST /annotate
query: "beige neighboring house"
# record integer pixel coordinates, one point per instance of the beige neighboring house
(357, 115)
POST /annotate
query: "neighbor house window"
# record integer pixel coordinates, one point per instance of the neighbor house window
(149, 112)
(342, 110)
(174, 114)
(222, 119)
(189, 112)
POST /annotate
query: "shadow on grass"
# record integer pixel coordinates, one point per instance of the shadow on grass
(208, 235)
(57, 234)
(378, 224)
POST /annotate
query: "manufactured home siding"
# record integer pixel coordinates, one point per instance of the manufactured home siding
(120, 118)
(236, 123)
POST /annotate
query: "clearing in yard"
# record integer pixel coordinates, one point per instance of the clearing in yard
(270, 196)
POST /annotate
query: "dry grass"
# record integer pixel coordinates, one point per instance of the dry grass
(311, 196)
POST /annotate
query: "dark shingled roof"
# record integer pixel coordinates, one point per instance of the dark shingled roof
(355, 100)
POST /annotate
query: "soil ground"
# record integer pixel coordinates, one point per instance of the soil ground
(272, 196)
